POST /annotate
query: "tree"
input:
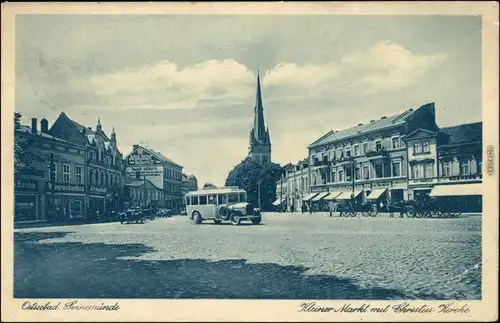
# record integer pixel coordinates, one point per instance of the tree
(194, 180)
(253, 177)
(209, 185)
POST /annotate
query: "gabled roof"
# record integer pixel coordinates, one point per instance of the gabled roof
(27, 129)
(381, 123)
(460, 134)
(156, 154)
(420, 131)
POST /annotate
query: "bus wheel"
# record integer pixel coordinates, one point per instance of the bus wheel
(256, 220)
(235, 218)
(196, 217)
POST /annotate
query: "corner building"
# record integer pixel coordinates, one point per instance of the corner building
(369, 159)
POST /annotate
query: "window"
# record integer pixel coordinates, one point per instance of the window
(212, 199)
(233, 198)
(348, 172)
(378, 170)
(446, 168)
(428, 170)
(334, 177)
(357, 174)
(102, 178)
(378, 144)
(396, 168)
(341, 175)
(480, 166)
(242, 197)
(415, 169)
(348, 151)
(395, 143)
(66, 173)
(356, 150)
(137, 175)
(387, 169)
(222, 199)
(366, 172)
(426, 147)
(91, 177)
(417, 148)
(365, 147)
(78, 174)
(464, 167)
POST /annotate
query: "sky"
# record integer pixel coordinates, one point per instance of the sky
(185, 84)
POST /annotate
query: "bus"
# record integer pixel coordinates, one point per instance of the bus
(226, 204)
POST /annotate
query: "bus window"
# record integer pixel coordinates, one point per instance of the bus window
(222, 199)
(212, 199)
(188, 200)
(203, 200)
(242, 197)
(194, 200)
(233, 197)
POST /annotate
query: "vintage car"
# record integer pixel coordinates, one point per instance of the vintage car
(221, 204)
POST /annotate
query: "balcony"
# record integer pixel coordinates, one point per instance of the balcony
(379, 153)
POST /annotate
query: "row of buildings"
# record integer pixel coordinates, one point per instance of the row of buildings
(90, 174)
(393, 158)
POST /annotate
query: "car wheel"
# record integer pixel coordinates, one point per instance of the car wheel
(256, 220)
(235, 218)
(196, 218)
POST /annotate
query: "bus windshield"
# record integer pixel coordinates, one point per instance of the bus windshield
(243, 197)
(233, 198)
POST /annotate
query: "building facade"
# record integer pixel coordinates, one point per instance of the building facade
(293, 185)
(260, 141)
(146, 163)
(189, 184)
(37, 197)
(103, 170)
(140, 192)
(369, 157)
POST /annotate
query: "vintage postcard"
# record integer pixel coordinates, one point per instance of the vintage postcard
(247, 162)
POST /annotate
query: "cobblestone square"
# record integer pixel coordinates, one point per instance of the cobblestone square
(288, 256)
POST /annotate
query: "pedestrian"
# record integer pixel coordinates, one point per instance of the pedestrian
(310, 208)
(332, 205)
(303, 208)
(292, 208)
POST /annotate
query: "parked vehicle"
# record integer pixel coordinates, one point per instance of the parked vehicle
(132, 215)
(226, 204)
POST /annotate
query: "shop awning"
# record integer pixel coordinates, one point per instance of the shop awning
(375, 194)
(320, 196)
(332, 195)
(457, 190)
(279, 200)
(346, 195)
(309, 196)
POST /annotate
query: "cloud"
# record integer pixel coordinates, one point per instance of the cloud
(165, 86)
(386, 66)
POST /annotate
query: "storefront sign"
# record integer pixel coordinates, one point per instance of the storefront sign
(25, 208)
(26, 185)
(98, 190)
(381, 184)
(70, 188)
(142, 157)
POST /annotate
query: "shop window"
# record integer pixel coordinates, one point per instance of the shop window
(66, 173)
(25, 207)
(78, 174)
(75, 209)
(396, 168)
(480, 166)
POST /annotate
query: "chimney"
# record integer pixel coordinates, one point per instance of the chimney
(372, 121)
(44, 125)
(384, 117)
(410, 110)
(360, 124)
(33, 126)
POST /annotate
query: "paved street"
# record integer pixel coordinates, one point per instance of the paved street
(287, 256)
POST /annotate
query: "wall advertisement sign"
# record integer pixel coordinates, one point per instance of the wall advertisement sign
(142, 157)
(152, 173)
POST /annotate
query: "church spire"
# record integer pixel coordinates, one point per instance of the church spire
(258, 124)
